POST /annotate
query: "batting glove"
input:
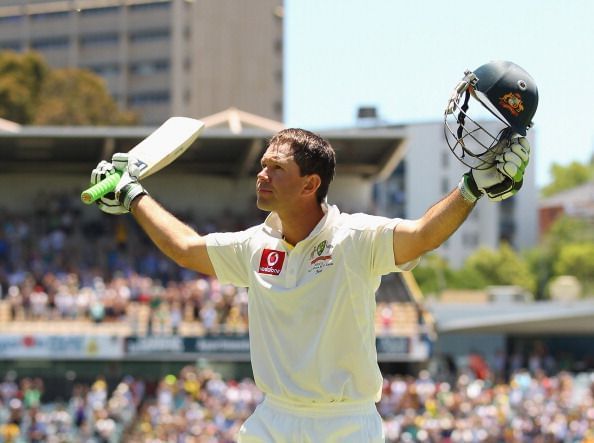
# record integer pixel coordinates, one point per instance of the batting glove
(128, 188)
(108, 203)
(504, 177)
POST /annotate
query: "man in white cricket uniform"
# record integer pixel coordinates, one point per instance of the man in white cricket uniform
(312, 273)
(312, 309)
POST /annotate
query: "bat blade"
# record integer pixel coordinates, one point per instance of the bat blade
(159, 149)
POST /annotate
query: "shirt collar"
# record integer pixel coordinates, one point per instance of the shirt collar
(274, 227)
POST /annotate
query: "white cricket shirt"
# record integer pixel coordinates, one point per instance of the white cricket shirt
(311, 307)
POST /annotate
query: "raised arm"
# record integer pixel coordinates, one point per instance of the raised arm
(174, 238)
(413, 238)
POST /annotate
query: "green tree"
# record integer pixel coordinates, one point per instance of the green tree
(78, 97)
(567, 230)
(577, 259)
(567, 177)
(495, 267)
(541, 259)
(33, 93)
(431, 274)
(21, 79)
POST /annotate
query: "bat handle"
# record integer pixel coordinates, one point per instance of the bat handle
(98, 190)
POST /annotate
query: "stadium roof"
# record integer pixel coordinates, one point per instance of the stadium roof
(230, 146)
(575, 317)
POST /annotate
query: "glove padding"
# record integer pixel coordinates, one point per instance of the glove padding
(127, 189)
(108, 203)
(504, 177)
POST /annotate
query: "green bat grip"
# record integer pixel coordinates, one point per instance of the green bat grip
(98, 190)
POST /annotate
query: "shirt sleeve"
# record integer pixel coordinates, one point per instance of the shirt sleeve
(227, 253)
(378, 234)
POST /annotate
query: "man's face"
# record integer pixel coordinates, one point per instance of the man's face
(279, 182)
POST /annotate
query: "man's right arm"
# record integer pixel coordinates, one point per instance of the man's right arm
(174, 238)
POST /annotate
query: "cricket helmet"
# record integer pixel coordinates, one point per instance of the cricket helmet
(508, 92)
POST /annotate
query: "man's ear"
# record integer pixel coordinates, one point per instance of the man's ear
(312, 183)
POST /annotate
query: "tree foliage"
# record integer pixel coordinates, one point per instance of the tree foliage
(430, 274)
(21, 79)
(78, 97)
(484, 268)
(567, 177)
(33, 93)
(568, 230)
(576, 259)
(498, 267)
(542, 259)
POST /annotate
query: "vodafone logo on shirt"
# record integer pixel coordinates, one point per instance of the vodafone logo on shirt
(271, 262)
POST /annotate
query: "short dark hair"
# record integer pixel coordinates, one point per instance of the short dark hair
(312, 153)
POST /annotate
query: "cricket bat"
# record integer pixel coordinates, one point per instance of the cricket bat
(159, 149)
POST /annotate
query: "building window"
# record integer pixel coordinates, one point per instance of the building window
(278, 107)
(278, 45)
(148, 98)
(150, 6)
(49, 16)
(93, 12)
(11, 19)
(149, 35)
(50, 43)
(105, 70)
(102, 39)
(11, 46)
(149, 67)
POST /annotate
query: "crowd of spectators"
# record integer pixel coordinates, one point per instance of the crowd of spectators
(90, 413)
(198, 406)
(529, 408)
(56, 263)
(64, 261)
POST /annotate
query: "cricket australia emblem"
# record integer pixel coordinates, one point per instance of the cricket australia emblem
(512, 101)
(271, 262)
(320, 257)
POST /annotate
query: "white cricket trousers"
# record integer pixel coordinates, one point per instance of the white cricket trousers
(276, 421)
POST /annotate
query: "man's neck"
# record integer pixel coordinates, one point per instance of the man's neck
(298, 224)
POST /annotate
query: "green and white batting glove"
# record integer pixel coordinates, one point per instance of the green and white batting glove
(128, 188)
(108, 203)
(503, 178)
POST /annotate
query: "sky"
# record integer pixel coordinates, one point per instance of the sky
(405, 57)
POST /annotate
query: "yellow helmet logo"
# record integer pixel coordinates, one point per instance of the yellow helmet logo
(512, 101)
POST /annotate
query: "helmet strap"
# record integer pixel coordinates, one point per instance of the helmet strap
(462, 115)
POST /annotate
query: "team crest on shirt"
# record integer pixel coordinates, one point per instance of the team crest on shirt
(320, 257)
(271, 262)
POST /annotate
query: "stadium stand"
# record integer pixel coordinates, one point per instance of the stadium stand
(90, 413)
(104, 276)
(198, 405)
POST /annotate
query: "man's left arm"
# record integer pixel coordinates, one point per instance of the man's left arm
(413, 238)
